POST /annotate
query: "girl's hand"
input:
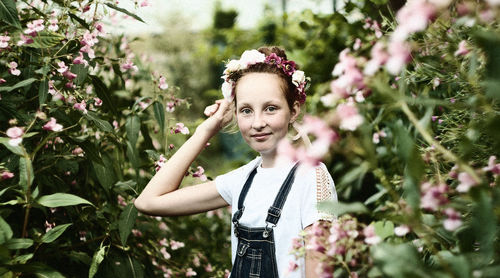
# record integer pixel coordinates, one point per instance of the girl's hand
(220, 114)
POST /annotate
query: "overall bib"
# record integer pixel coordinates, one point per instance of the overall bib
(255, 256)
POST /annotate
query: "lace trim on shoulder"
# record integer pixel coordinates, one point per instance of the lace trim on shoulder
(323, 192)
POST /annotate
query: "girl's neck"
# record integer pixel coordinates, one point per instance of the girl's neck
(268, 159)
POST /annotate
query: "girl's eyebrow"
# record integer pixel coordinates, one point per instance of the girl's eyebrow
(265, 103)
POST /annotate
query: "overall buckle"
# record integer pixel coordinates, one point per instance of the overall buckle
(268, 229)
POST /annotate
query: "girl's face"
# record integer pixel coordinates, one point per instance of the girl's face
(262, 111)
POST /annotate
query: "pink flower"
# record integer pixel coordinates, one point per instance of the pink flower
(292, 266)
(357, 44)
(453, 221)
(399, 57)
(2, 81)
(80, 60)
(34, 27)
(433, 196)
(370, 237)
(145, 3)
(136, 232)
(13, 69)
(97, 101)
(492, 167)
(349, 116)
(190, 272)
(176, 244)
(466, 182)
(401, 230)
(160, 163)
(462, 49)
(315, 244)
(199, 174)
(49, 226)
(165, 254)
(180, 128)
(208, 268)
(82, 106)
(273, 59)
(379, 58)
(162, 84)
(24, 40)
(413, 17)
(251, 57)
(376, 136)
(15, 134)
(52, 125)
(121, 201)
(129, 64)
(6, 175)
(170, 106)
(4, 41)
(53, 24)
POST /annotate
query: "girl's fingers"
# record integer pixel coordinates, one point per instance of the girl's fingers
(211, 109)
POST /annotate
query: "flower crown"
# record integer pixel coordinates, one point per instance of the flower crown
(252, 57)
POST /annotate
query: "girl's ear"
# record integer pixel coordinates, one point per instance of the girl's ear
(295, 111)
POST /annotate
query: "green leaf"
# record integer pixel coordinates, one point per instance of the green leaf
(79, 20)
(96, 260)
(21, 259)
(18, 243)
(5, 231)
(160, 115)
(15, 149)
(26, 174)
(46, 39)
(43, 91)
(133, 126)
(484, 224)
(126, 222)
(384, 229)
(396, 261)
(18, 85)
(458, 264)
(124, 11)
(339, 208)
(54, 233)
(132, 155)
(61, 200)
(105, 173)
(81, 72)
(103, 93)
(8, 13)
(100, 123)
(375, 196)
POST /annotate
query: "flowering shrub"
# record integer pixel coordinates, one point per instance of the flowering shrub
(416, 108)
(77, 144)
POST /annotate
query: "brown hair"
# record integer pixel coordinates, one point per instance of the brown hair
(286, 85)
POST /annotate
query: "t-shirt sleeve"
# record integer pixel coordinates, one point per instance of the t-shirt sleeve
(320, 187)
(223, 185)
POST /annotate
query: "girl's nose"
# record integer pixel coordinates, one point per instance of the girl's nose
(258, 122)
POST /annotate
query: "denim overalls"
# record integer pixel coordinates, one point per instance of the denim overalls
(255, 256)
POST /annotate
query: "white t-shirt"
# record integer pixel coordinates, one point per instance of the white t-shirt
(310, 185)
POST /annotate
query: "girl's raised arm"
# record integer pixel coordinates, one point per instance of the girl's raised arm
(161, 195)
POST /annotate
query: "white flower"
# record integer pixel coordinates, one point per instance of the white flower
(232, 66)
(401, 230)
(298, 77)
(251, 57)
(227, 90)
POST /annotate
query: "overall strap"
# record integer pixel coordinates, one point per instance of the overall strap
(274, 212)
(243, 194)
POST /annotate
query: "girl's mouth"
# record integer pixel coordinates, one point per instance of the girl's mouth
(261, 136)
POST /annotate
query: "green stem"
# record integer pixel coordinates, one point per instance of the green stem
(428, 138)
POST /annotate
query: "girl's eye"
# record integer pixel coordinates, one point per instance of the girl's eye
(245, 111)
(271, 108)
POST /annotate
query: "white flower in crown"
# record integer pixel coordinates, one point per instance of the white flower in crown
(232, 66)
(227, 90)
(251, 57)
(298, 77)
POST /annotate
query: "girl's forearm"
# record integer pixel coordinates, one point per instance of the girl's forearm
(172, 172)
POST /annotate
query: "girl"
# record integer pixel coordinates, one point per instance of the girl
(272, 199)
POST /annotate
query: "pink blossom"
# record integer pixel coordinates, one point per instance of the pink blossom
(15, 134)
(399, 57)
(401, 230)
(34, 27)
(2, 81)
(165, 254)
(379, 58)
(80, 60)
(315, 244)
(376, 136)
(162, 83)
(53, 24)
(121, 201)
(115, 124)
(6, 175)
(180, 128)
(170, 106)
(62, 67)
(251, 57)
(24, 40)
(13, 69)
(190, 272)
(77, 151)
(136, 232)
(349, 116)
(88, 49)
(462, 49)
(413, 17)
(466, 182)
(4, 41)
(163, 242)
(376, 28)
(176, 244)
(129, 64)
(492, 167)
(97, 101)
(453, 221)
(208, 268)
(370, 236)
(292, 266)
(200, 174)
(89, 39)
(357, 44)
(49, 226)
(160, 163)
(82, 106)
(433, 196)
(52, 125)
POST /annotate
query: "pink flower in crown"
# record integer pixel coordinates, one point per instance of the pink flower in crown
(274, 59)
(6, 175)
(288, 67)
(200, 174)
(180, 128)
(466, 182)
(462, 49)
(4, 41)
(52, 125)
(453, 221)
(13, 69)
(251, 57)
(15, 134)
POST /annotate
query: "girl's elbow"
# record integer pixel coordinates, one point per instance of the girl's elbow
(142, 205)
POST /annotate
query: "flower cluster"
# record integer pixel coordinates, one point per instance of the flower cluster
(253, 57)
